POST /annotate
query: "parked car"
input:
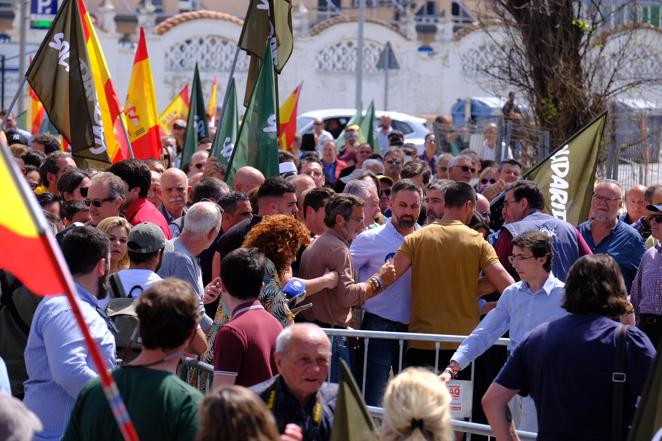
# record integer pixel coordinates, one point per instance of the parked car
(335, 120)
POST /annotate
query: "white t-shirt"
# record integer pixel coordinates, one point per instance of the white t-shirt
(132, 278)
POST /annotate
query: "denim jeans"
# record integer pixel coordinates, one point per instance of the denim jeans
(339, 349)
(382, 356)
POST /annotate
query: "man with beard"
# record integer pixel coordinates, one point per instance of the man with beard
(389, 311)
(434, 200)
(56, 356)
(145, 245)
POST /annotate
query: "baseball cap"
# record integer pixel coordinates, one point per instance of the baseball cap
(179, 123)
(385, 179)
(17, 422)
(14, 137)
(652, 207)
(288, 168)
(147, 238)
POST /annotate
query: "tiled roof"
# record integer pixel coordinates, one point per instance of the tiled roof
(326, 24)
(184, 17)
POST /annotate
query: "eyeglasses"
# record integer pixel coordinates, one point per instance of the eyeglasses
(513, 259)
(655, 217)
(599, 198)
(466, 168)
(83, 191)
(394, 161)
(485, 181)
(386, 191)
(318, 124)
(98, 202)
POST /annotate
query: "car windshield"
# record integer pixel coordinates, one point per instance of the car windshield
(397, 125)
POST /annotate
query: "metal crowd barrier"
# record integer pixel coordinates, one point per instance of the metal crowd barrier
(201, 374)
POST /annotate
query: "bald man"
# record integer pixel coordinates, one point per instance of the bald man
(174, 197)
(635, 204)
(301, 183)
(197, 163)
(247, 178)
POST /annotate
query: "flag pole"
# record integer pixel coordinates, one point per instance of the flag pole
(226, 98)
(109, 387)
(13, 101)
(126, 135)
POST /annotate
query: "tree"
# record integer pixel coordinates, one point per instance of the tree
(568, 58)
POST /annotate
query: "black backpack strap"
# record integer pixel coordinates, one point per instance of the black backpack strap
(134, 287)
(618, 379)
(7, 290)
(116, 287)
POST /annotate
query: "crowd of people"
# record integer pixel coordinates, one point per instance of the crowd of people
(387, 239)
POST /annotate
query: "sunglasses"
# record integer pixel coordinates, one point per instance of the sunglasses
(98, 202)
(485, 181)
(318, 124)
(83, 191)
(655, 217)
(199, 165)
(386, 191)
(394, 161)
(466, 168)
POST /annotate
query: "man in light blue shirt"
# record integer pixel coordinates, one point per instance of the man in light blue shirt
(390, 310)
(57, 359)
(522, 306)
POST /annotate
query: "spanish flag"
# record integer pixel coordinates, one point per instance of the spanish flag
(288, 119)
(140, 106)
(28, 245)
(37, 113)
(70, 78)
(178, 108)
(212, 104)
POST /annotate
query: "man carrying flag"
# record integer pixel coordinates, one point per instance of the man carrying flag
(141, 106)
(71, 79)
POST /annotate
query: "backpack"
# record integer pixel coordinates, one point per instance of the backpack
(122, 312)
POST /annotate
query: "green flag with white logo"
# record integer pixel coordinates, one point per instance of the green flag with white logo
(196, 124)
(566, 177)
(226, 137)
(257, 142)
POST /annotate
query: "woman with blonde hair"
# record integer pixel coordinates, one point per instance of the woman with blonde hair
(117, 229)
(235, 413)
(416, 408)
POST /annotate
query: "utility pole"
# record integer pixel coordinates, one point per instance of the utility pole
(23, 29)
(359, 57)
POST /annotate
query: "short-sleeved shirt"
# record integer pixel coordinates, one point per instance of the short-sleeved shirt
(161, 406)
(446, 260)
(135, 281)
(567, 365)
(623, 243)
(245, 346)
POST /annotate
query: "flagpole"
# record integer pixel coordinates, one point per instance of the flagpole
(126, 135)
(226, 97)
(109, 387)
(13, 101)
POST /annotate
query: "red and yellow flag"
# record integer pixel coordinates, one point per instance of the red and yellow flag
(212, 104)
(178, 108)
(288, 119)
(37, 113)
(111, 113)
(140, 108)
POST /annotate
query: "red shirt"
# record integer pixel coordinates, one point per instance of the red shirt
(245, 346)
(142, 210)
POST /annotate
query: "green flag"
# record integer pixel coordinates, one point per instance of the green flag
(266, 20)
(367, 128)
(351, 422)
(60, 76)
(357, 118)
(226, 137)
(257, 142)
(647, 421)
(196, 124)
(566, 176)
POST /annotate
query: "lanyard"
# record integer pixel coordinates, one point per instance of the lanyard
(240, 311)
(316, 415)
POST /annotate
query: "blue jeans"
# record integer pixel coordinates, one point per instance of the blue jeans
(339, 349)
(383, 355)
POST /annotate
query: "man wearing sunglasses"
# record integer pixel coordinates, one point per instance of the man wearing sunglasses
(645, 293)
(461, 169)
(522, 211)
(393, 161)
(105, 196)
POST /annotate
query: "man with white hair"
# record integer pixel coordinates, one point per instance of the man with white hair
(367, 192)
(299, 397)
(374, 165)
(461, 169)
(202, 223)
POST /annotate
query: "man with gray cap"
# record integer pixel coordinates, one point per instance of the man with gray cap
(146, 244)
